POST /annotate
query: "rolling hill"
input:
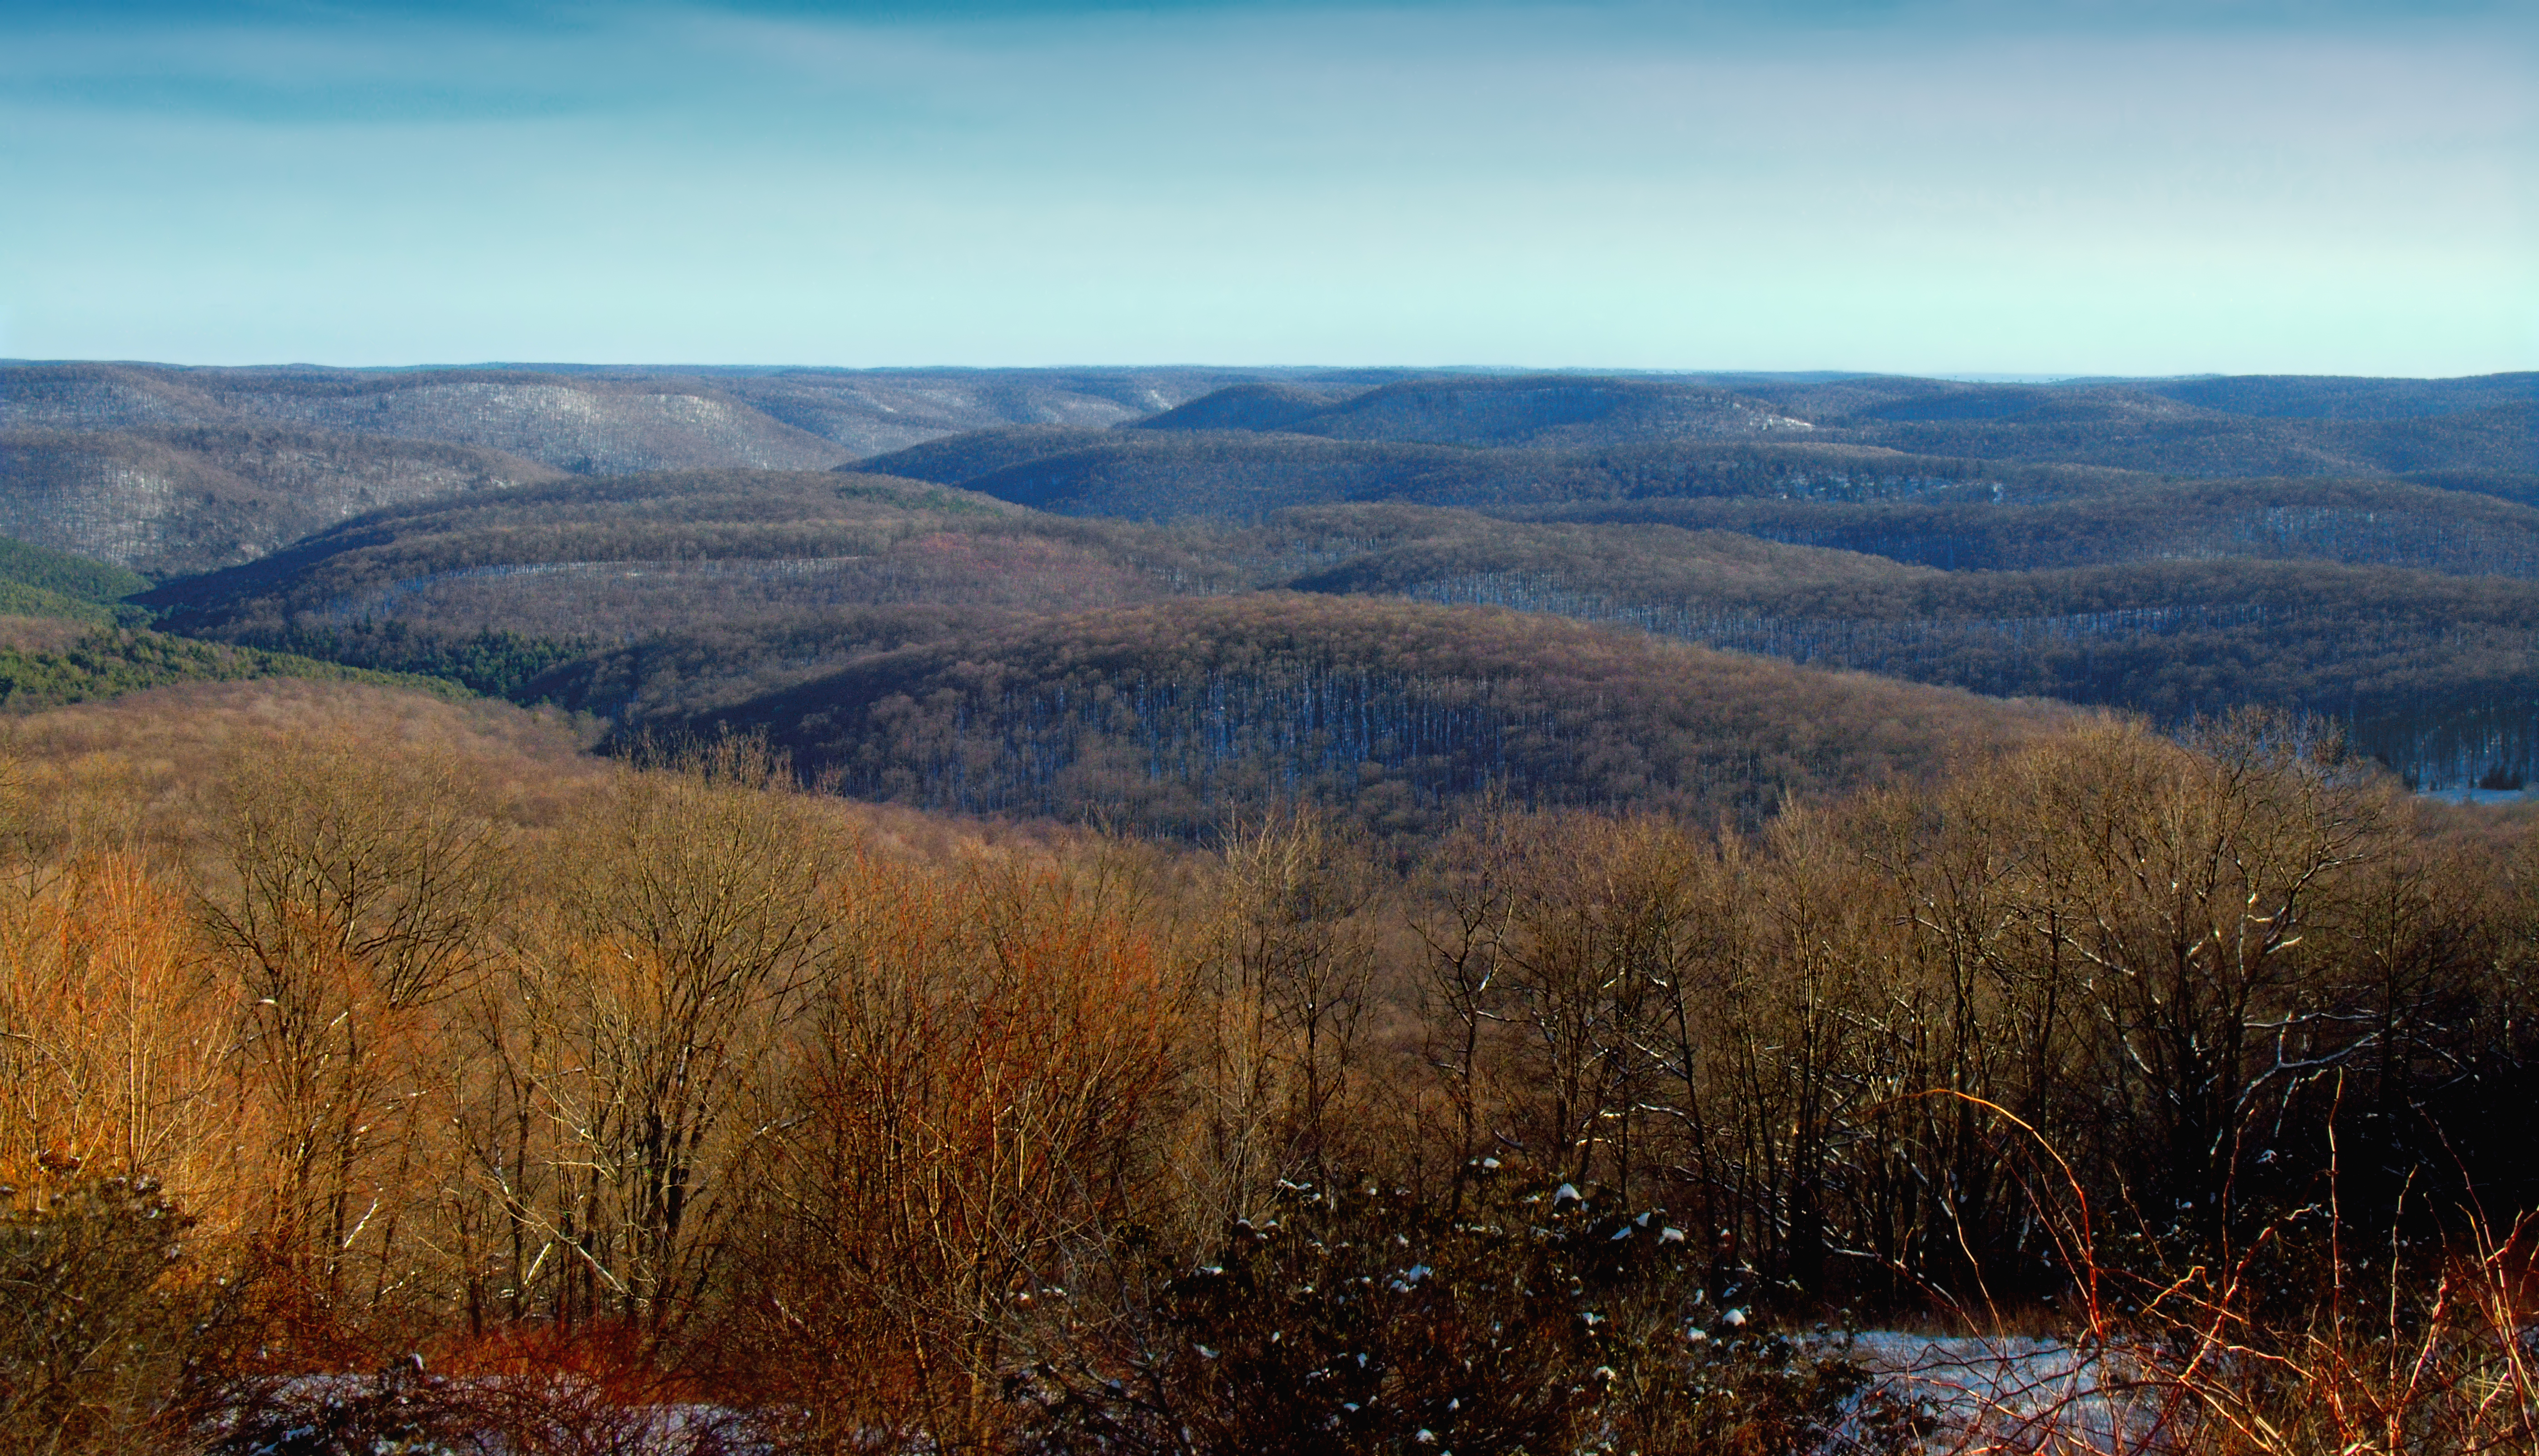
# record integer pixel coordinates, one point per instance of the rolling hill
(2359, 522)
(1546, 410)
(2255, 426)
(610, 538)
(2436, 674)
(679, 585)
(170, 500)
(652, 599)
(631, 554)
(872, 411)
(1169, 718)
(590, 426)
(612, 418)
(1239, 475)
(1951, 512)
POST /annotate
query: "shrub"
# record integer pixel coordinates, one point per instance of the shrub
(92, 1327)
(1360, 1318)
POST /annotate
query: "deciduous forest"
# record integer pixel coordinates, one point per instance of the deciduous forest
(1217, 912)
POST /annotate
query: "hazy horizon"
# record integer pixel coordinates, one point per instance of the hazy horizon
(1890, 186)
(1585, 369)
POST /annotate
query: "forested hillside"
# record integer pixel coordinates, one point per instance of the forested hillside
(2228, 427)
(605, 420)
(2011, 548)
(652, 599)
(1172, 718)
(66, 636)
(2200, 427)
(172, 500)
(37, 582)
(1943, 510)
(2436, 674)
(2356, 523)
(1241, 475)
(1539, 410)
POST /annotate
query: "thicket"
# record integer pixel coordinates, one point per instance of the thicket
(354, 1097)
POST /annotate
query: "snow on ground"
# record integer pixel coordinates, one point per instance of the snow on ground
(1968, 1396)
(2016, 1394)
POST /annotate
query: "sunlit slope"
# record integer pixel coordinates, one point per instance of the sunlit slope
(638, 553)
(871, 412)
(607, 419)
(169, 500)
(40, 582)
(565, 421)
(582, 425)
(679, 584)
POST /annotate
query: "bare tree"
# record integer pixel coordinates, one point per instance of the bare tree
(361, 892)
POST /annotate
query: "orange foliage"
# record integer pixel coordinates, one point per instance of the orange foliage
(116, 1035)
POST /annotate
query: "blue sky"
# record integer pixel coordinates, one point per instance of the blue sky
(1906, 186)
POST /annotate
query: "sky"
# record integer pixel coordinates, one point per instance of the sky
(1919, 187)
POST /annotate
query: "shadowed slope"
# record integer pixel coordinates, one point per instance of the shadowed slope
(1539, 410)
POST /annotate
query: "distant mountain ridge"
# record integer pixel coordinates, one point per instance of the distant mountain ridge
(2254, 426)
(166, 503)
(605, 421)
